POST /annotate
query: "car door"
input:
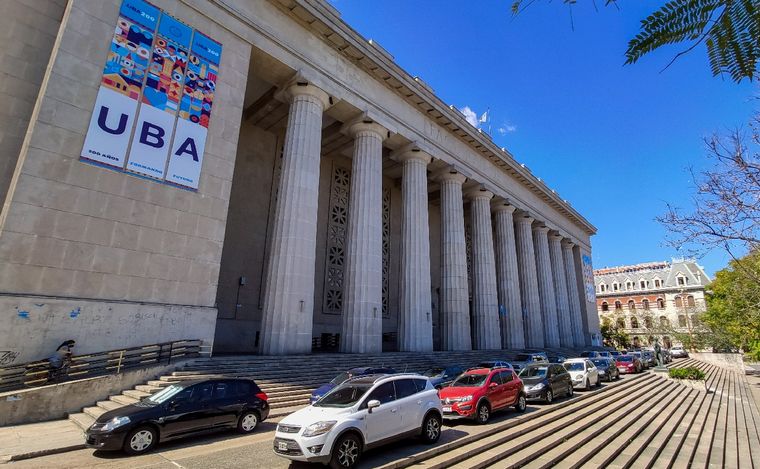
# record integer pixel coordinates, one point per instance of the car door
(383, 421)
(592, 372)
(188, 411)
(511, 387)
(496, 391)
(225, 405)
(409, 403)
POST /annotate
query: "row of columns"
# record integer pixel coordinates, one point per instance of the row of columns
(523, 279)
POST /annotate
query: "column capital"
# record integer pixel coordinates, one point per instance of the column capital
(479, 193)
(567, 243)
(410, 153)
(541, 228)
(364, 123)
(556, 235)
(449, 174)
(500, 204)
(524, 218)
(304, 88)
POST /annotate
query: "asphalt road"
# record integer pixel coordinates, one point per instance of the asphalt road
(228, 450)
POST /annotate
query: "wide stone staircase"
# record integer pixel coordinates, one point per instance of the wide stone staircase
(643, 421)
(289, 381)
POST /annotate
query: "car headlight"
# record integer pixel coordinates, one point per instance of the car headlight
(115, 423)
(319, 428)
(465, 398)
(536, 387)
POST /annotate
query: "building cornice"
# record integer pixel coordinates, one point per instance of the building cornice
(324, 21)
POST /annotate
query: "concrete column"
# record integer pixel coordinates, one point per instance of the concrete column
(289, 293)
(415, 332)
(560, 291)
(574, 299)
(362, 291)
(508, 283)
(485, 301)
(526, 264)
(454, 301)
(546, 286)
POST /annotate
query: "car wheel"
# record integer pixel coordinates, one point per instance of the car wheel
(570, 391)
(346, 452)
(521, 403)
(484, 413)
(587, 385)
(248, 421)
(431, 428)
(140, 440)
(549, 396)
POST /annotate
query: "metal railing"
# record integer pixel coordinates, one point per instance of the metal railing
(39, 373)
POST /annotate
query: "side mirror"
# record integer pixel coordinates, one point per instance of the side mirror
(172, 405)
(492, 385)
(372, 404)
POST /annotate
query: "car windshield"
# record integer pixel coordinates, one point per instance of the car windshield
(341, 378)
(343, 396)
(467, 380)
(602, 363)
(165, 394)
(573, 366)
(533, 372)
(625, 358)
(585, 354)
(522, 357)
(433, 372)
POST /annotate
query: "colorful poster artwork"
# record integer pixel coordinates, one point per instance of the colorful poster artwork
(128, 58)
(168, 62)
(588, 278)
(200, 80)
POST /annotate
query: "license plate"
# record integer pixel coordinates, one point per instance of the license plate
(447, 408)
(282, 446)
(621, 369)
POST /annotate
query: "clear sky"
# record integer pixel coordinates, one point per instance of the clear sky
(614, 140)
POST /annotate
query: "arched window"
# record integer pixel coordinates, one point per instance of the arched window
(648, 322)
(690, 301)
(679, 302)
(621, 323)
(634, 323)
(664, 321)
(681, 320)
(645, 303)
(660, 303)
(618, 305)
(631, 305)
(605, 306)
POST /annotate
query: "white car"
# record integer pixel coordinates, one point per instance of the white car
(678, 352)
(359, 414)
(583, 372)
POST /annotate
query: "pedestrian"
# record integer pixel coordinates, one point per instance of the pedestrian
(60, 360)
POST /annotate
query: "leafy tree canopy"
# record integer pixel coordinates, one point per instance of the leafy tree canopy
(730, 29)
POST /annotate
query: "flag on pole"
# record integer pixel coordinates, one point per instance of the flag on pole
(484, 117)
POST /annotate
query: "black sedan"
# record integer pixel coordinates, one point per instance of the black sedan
(441, 377)
(181, 409)
(607, 369)
(545, 381)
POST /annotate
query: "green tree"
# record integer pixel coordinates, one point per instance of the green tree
(613, 335)
(730, 30)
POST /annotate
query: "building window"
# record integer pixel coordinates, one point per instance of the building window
(631, 305)
(648, 322)
(657, 283)
(664, 321)
(605, 306)
(660, 303)
(690, 301)
(621, 323)
(682, 280)
(615, 286)
(681, 320)
(629, 285)
(618, 306)
(634, 323)
(642, 284)
(602, 288)
(679, 302)
(645, 303)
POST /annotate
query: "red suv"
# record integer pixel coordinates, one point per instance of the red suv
(477, 393)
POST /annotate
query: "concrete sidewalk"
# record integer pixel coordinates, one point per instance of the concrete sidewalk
(38, 439)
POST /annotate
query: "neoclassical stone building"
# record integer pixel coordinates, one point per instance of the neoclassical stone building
(337, 203)
(653, 299)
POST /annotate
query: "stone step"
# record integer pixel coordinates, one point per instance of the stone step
(492, 436)
(109, 405)
(82, 420)
(133, 393)
(147, 388)
(123, 400)
(94, 411)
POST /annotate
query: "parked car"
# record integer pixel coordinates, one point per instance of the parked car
(443, 376)
(361, 413)
(589, 354)
(666, 355)
(616, 353)
(640, 356)
(678, 352)
(479, 392)
(628, 364)
(492, 364)
(524, 359)
(583, 373)
(607, 368)
(649, 358)
(558, 359)
(545, 381)
(604, 353)
(179, 410)
(345, 376)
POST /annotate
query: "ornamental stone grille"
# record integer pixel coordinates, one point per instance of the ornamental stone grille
(336, 240)
(386, 251)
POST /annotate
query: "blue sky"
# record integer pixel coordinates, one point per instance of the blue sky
(614, 140)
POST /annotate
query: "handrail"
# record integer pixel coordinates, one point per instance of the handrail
(39, 373)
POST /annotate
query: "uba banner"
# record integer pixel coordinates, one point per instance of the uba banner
(154, 105)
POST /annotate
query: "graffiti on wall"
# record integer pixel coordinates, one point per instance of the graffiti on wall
(7, 357)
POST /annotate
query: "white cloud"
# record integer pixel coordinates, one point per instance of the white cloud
(470, 115)
(506, 129)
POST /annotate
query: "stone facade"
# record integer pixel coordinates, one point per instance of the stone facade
(652, 300)
(330, 215)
